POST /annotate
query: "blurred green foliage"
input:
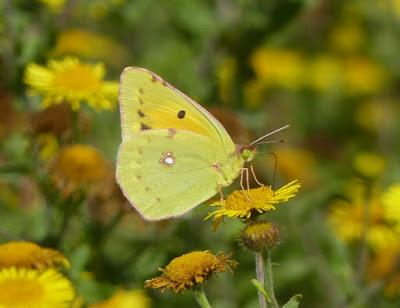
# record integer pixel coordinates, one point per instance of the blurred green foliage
(329, 68)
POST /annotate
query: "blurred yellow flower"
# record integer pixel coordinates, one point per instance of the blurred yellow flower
(279, 67)
(226, 72)
(347, 37)
(71, 81)
(77, 166)
(125, 299)
(29, 288)
(83, 43)
(325, 72)
(362, 76)
(296, 163)
(30, 255)
(384, 266)
(54, 5)
(369, 165)
(190, 270)
(348, 217)
(391, 202)
(245, 203)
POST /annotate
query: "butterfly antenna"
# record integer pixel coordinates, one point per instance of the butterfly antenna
(269, 134)
(271, 141)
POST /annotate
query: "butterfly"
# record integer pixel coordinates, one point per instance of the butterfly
(174, 154)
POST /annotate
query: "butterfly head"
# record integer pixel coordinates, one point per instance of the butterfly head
(247, 152)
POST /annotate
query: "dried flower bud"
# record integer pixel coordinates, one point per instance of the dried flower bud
(261, 235)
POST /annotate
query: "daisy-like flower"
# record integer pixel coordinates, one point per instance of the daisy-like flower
(347, 217)
(30, 255)
(29, 288)
(89, 45)
(190, 270)
(123, 298)
(245, 203)
(78, 165)
(69, 80)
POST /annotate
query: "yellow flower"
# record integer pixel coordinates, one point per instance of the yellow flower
(245, 203)
(361, 76)
(83, 43)
(391, 202)
(54, 5)
(71, 81)
(369, 165)
(190, 270)
(347, 218)
(29, 288)
(279, 67)
(30, 255)
(384, 266)
(125, 299)
(78, 165)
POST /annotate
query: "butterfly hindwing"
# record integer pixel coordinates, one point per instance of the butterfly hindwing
(164, 176)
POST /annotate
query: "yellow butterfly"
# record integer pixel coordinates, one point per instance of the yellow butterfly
(174, 154)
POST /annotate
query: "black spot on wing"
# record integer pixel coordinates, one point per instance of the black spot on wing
(140, 113)
(181, 114)
(144, 126)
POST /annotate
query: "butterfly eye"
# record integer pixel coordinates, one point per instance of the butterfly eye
(181, 114)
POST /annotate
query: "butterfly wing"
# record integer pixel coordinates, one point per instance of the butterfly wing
(149, 102)
(165, 176)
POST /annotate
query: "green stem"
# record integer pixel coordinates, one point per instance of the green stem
(201, 298)
(261, 278)
(270, 281)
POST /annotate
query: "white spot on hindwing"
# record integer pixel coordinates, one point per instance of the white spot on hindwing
(167, 159)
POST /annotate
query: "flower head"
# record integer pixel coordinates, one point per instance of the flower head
(279, 67)
(190, 270)
(122, 298)
(77, 166)
(22, 287)
(347, 217)
(30, 255)
(245, 203)
(83, 43)
(260, 235)
(69, 80)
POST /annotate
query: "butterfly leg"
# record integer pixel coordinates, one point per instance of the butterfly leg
(245, 172)
(254, 176)
(221, 193)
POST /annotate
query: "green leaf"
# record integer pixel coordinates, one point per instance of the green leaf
(261, 289)
(293, 302)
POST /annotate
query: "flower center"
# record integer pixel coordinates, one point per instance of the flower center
(78, 78)
(246, 199)
(191, 265)
(20, 292)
